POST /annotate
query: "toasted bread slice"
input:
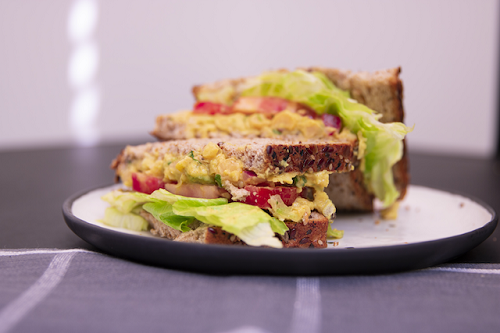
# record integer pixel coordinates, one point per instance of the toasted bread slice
(258, 155)
(381, 91)
(310, 233)
(199, 234)
(291, 124)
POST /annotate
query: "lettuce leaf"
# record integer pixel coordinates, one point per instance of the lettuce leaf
(384, 142)
(250, 223)
(126, 201)
(163, 211)
(115, 218)
(165, 195)
(334, 233)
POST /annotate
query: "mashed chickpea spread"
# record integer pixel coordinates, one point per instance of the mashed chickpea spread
(282, 125)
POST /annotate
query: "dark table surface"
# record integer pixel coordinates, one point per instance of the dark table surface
(35, 183)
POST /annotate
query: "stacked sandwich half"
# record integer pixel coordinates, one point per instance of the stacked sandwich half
(259, 160)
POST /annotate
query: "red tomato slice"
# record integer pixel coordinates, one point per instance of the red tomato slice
(146, 184)
(275, 104)
(259, 195)
(268, 106)
(211, 108)
(250, 105)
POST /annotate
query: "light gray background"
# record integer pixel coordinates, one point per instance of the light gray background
(152, 52)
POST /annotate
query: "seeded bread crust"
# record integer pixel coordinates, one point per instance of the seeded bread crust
(381, 91)
(310, 233)
(349, 193)
(168, 129)
(258, 155)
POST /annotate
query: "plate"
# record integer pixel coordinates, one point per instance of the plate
(433, 226)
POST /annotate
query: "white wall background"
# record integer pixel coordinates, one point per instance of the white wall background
(150, 53)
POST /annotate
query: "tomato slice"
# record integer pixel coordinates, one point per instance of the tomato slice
(259, 195)
(270, 106)
(211, 108)
(266, 106)
(274, 104)
(146, 184)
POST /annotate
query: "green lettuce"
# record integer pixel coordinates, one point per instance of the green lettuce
(162, 209)
(116, 218)
(126, 201)
(124, 210)
(250, 223)
(381, 145)
(165, 195)
(334, 233)
(163, 212)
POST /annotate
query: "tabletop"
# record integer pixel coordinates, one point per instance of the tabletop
(51, 280)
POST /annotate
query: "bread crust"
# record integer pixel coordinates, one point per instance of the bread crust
(310, 233)
(209, 235)
(167, 129)
(305, 157)
(381, 90)
(348, 192)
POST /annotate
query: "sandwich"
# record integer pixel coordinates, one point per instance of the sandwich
(258, 192)
(312, 104)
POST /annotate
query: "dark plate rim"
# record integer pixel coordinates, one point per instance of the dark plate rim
(226, 259)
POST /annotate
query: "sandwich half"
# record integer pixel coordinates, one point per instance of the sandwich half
(259, 192)
(312, 104)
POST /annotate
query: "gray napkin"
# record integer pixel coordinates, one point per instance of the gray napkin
(82, 291)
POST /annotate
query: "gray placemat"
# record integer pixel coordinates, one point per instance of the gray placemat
(50, 290)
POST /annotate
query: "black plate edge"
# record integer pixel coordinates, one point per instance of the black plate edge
(216, 259)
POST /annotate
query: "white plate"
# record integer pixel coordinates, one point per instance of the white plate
(425, 214)
(432, 226)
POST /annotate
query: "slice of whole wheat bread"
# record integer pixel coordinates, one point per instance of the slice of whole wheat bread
(310, 233)
(258, 155)
(167, 128)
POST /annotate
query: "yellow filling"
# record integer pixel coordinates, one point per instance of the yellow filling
(391, 212)
(301, 208)
(283, 124)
